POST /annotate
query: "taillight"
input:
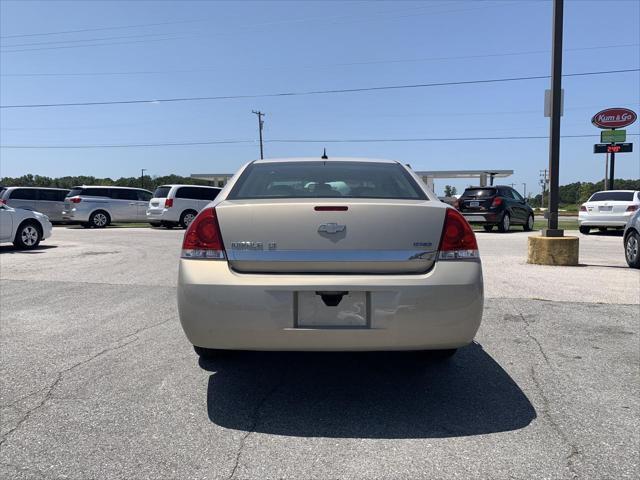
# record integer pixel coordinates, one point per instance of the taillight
(168, 202)
(203, 239)
(3, 201)
(496, 202)
(632, 208)
(75, 199)
(458, 240)
(583, 208)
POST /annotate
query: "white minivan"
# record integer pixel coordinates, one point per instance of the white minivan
(177, 205)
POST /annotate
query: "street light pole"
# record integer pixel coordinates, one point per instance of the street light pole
(142, 170)
(525, 190)
(554, 133)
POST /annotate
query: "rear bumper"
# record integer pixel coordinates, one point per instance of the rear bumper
(75, 214)
(162, 216)
(223, 309)
(47, 229)
(604, 220)
(481, 217)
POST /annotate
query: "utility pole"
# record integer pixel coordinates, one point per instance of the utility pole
(554, 129)
(544, 180)
(260, 126)
(142, 170)
(606, 170)
(525, 190)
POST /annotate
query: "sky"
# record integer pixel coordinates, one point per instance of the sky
(93, 51)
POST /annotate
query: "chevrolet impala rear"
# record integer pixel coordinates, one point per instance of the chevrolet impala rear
(327, 255)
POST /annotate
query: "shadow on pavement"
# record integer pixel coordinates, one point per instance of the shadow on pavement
(365, 395)
(39, 249)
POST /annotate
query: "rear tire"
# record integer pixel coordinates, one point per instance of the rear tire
(505, 223)
(28, 235)
(99, 219)
(528, 226)
(487, 228)
(584, 230)
(632, 249)
(187, 217)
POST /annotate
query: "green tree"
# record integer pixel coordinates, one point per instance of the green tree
(450, 191)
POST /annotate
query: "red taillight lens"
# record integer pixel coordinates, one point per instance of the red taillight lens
(632, 208)
(583, 208)
(203, 239)
(75, 199)
(168, 202)
(458, 240)
(496, 202)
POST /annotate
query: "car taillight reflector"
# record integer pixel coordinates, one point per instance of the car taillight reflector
(75, 199)
(496, 202)
(458, 240)
(168, 202)
(203, 239)
(632, 208)
(583, 208)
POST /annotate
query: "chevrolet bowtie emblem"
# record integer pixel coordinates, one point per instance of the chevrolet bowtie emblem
(331, 228)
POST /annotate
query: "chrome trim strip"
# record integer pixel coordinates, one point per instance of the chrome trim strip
(330, 255)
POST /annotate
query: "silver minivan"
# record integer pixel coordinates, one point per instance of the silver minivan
(98, 206)
(49, 201)
(178, 205)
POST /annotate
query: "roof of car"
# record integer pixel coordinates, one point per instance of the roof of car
(34, 188)
(109, 186)
(329, 159)
(185, 185)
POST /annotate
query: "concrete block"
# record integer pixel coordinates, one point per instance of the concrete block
(553, 250)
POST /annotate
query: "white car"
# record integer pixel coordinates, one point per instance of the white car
(608, 209)
(333, 254)
(178, 205)
(24, 228)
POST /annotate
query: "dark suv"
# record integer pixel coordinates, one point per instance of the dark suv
(500, 205)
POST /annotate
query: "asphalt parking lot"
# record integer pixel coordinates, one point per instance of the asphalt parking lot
(98, 380)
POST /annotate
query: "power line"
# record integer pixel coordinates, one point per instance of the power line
(313, 92)
(351, 140)
(315, 66)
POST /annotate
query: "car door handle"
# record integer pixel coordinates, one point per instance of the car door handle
(132, 203)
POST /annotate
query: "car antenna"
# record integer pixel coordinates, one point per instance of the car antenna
(324, 155)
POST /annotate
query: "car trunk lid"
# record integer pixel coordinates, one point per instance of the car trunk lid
(331, 235)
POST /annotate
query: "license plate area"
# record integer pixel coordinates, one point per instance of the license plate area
(605, 209)
(311, 310)
(474, 203)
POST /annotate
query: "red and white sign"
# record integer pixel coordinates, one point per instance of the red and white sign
(614, 118)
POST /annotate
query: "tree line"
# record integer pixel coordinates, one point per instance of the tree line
(579, 192)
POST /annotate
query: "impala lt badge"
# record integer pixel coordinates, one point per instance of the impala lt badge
(331, 228)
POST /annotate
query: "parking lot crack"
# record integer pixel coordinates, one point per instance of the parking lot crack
(127, 339)
(255, 420)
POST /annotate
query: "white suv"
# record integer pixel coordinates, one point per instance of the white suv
(178, 205)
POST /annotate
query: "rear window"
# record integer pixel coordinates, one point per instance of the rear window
(161, 192)
(479, 192)
(326, 180)
(622, 196)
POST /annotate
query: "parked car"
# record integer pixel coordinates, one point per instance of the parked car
(608, 209)
(24, 228)
(98, 206)
(49, 201)
(631, 240)
(338, 254)
(500, 206)
(178, 205)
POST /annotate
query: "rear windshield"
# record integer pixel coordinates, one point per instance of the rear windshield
(161, 192)
(326, 180)
(623, 196)
(479, 192)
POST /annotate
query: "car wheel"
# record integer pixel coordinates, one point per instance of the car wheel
(505, 223)
(487, 228)
(99, 219)
(632, 249)
(187, 217)
(529, 225)
(28, 235)
(585, 230)
(208, 353)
